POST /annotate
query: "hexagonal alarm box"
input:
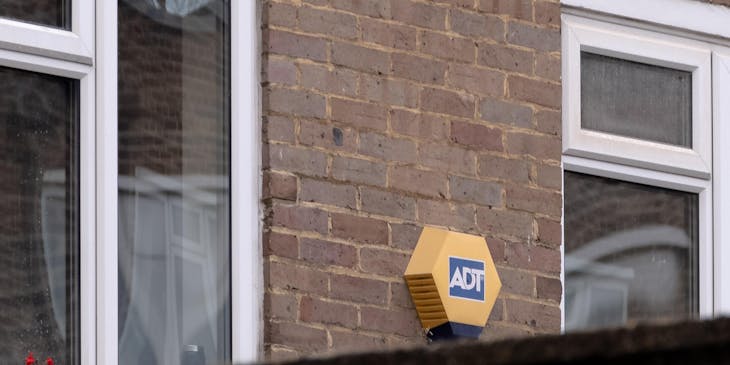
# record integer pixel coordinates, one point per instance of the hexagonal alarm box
(453, 282)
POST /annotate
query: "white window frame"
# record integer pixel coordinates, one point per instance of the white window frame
(687, 24)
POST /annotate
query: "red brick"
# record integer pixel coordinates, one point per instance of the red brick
(476, 136)
(442, 213)
(400, 296)
(549, 289)
(505, 222)
(283, 15)
(419, 125)
(476, 25)
(504, 169)
(297, 278)
(324, 192)
(337, 80)
(280, 354)
(404, 236)
(418, 14)
(459, 3)
(280, 244)
(387, 203)
(359, 114)
(548, 121)
(327, 22)
(534, 37)
(534, 200)
(325, 135)
(547, 12)
(383, 262)
(295, 102)
(447, 158)
(301, 218)
(476, 80)
(497, 313)
(358, 171)
(498, 111)
(418, 68)
(373, 8)
(360, 229)
(506, 58)
(295, 45)
(497, 249)
(297, 336)
(388, 91)
(387, 148)
(327, 253)
(360, 58)
(280, 71)
(535, 91)
(448, 47)
(359, 290)
(549, 232)
(280, 186)
(548, 67)
(447, 102)
(399, 322)
(538, 316)
(521, 9)
(539, 146)
(422, 182)
(280, 306)
(498, 331)
(516, 282)
(277, 128)
(522, 256)
(388, 34)
(475, 191)
(319, 311)
(348, 341)
(550, 176)
(299, 160)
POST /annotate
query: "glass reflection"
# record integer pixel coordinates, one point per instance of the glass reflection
(630, 253)
(174, 191)
(54, 13)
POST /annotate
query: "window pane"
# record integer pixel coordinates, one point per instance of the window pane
(39, 207)
(636, 100)
(56, 13)
(630, 253)
(174, 191)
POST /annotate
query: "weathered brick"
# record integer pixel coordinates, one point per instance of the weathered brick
(418, 68)
(497, 249)
(324, 192)
(422, 182)
(535, 91)
(319, 311)
(331, 23)
(447, 158)
(523, 256)
(387, 203)
(358, 171)
(280, 306)
(475, 191)
(547, 12)
(280, 71)
(534, 200)
(498, 331)
(476, 80)
(276, 128)
(337, 80)
(497, 313)
(387, 148)
(476, 25)
(532, 36)
(548, 67)
(388, 34)
(360, 58)
(549, 176)
(383, 262)
(400, 296)
(476, 136)
(459, 3)
(280, 244)
(521, 9)
(280, 186)
(506, 58)
(295, 45)
(404, 236)
(539, 146)
(418, 125)
(548, 121)
(360, 229)
(448, 47)
(349, 341)
(516, 282)
(399, 322)
(297, 336)
(295, 102)
(538, 316)
(283, 15)
(327, 253)
(297, 278)
(447, 102)
(498, 111)
(549, 232)
(300, 160)
(504, 169)
(389, 91)
(359, 114)
(326, 135)
(443, 213)
(505, 222)
(549, 289)
(373, 8)
(358, 290)
(418, 14)
(302, 218)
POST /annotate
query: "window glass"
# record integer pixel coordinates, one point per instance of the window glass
(39, 211)
(55, 13)
(631, 253)
(636, 100)
(174, 182)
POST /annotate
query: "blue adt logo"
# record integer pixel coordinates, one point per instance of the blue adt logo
(466, 278)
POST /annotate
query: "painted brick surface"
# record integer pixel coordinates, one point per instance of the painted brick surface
(382, 116)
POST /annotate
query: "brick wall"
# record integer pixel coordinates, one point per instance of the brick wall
(382, 116)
